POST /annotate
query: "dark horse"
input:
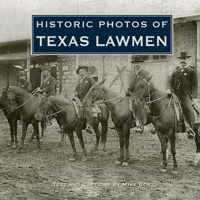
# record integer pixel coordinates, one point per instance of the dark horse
(162, 111)
(12, 118)
(120, 112)
(64, 111)
(24, 104)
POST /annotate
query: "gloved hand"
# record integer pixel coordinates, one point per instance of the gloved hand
(169, 92)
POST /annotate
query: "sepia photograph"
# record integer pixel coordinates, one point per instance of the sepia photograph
(79, 121)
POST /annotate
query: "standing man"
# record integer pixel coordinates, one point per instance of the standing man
(183, 82)
(49, 83)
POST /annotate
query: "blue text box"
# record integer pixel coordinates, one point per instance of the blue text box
(54, 34)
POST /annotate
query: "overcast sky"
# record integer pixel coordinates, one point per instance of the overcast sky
(15, 15)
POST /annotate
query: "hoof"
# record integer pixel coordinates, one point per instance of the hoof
(174, 172)
(163, 170)
(72, 159)
(84, 159)
(30, 140)
(9, 144)
(125, 164)
(14, 146)
(95, 149)
(117, 162)
(196, 159)
(19, 150)
(60, 144)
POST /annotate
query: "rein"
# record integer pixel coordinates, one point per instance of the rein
(112, 100)
(25, 102)
(155, 100)
(115, 99)
(55, 113)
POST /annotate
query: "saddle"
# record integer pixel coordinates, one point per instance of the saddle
(179, 112)
(77, 106)
(96, 110)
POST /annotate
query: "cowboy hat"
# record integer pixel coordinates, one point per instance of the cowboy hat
(183, 55)
(81, 67)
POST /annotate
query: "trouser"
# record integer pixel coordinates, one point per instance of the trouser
(188, 111)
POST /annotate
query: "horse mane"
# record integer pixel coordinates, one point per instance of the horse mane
(144, 74)
(20, 92)
(59, 101)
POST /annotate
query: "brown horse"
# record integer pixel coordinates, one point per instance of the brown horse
(64, 111)
(24, 103)
(12, 119)
(162, 111)
(120, 112)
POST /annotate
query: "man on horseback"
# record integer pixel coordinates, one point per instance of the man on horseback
(48, 86)
(23, 83)
(183, 82)
(85, 82)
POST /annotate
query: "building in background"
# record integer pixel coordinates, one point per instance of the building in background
(113, 68)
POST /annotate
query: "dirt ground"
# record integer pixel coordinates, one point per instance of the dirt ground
(49, 175)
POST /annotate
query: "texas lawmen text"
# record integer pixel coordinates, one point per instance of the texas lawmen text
(110, 41)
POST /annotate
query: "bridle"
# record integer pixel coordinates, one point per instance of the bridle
(149, 101)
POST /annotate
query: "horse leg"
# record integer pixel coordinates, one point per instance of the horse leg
(104, 131)
(15, 133)
(97, 132)
(197, 142)
(43, 128)
(71, 138)
(163, 148)
(62, 135)
(167, 149)
(126, 132)
(81, 141)
(172, 139)
(121, 143)
(10, 122)
(37, 133)
(24, 130)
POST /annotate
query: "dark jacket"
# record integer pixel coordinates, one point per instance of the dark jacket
(24, 84)
(83, 87)
(49, 86)
(183, 81)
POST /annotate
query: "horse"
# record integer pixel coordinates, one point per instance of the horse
(25, 104)
(12, 119)
(162, 111)
(121, 115)
(65, 112)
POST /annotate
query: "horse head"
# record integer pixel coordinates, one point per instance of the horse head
(8, 100)
(140, 90)
(142, 85)
(95, 93)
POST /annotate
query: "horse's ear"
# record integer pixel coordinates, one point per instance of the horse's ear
(149, 78)
(102, 82)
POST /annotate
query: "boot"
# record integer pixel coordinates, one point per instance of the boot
(190, 132)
